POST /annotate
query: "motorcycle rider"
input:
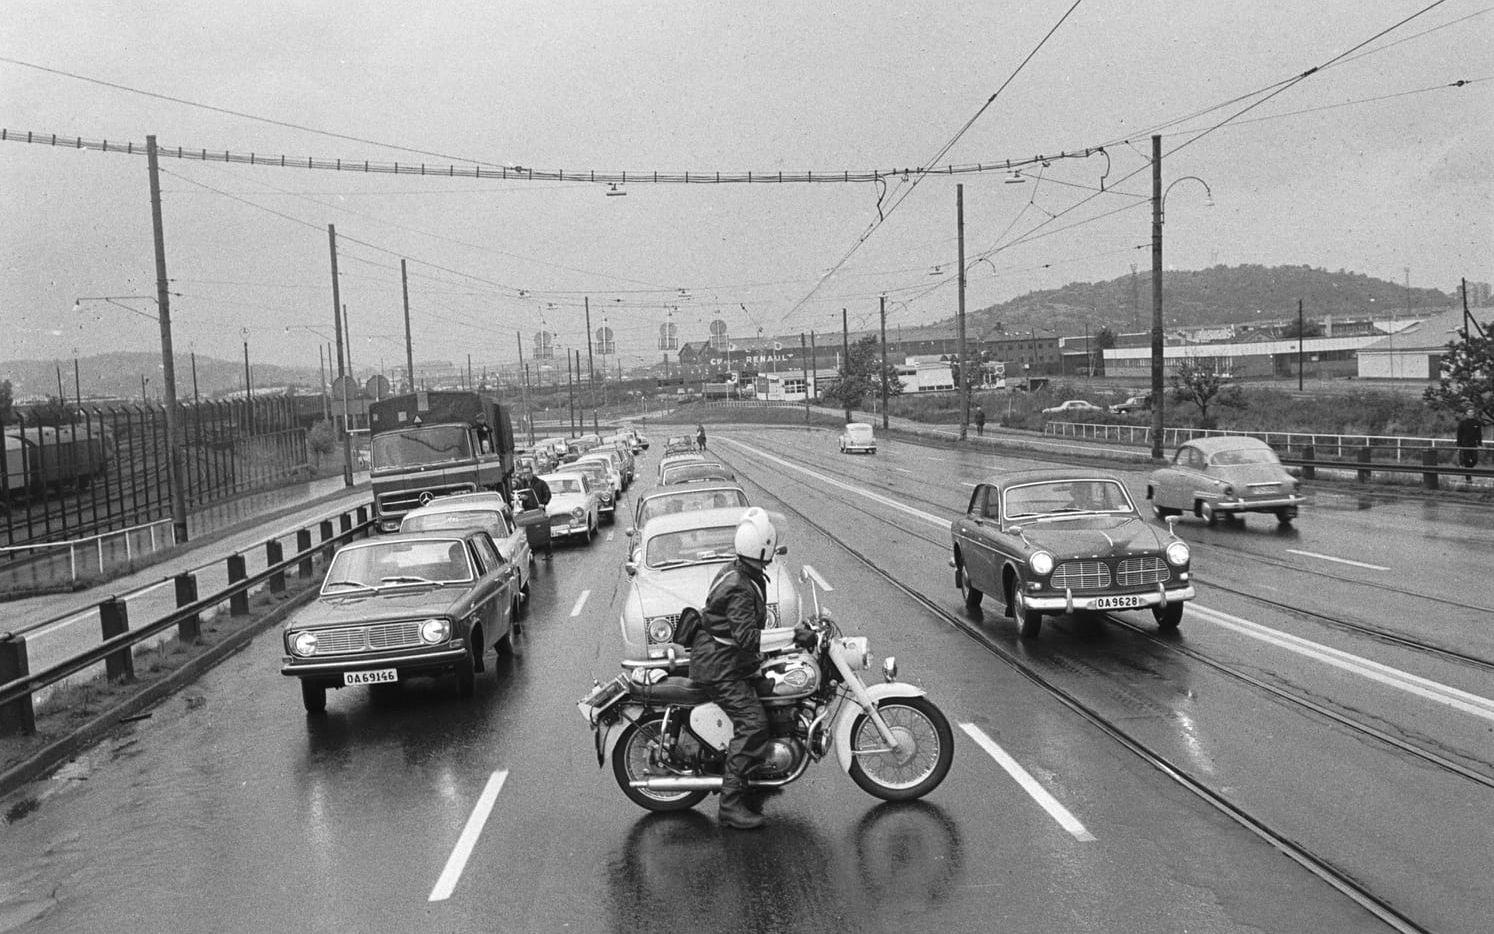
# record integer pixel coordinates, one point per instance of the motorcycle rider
(724, 660)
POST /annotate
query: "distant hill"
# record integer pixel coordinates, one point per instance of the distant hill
(1218, 295)
(117, 376)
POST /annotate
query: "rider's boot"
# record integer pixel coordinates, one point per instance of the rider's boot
(755, 798)
(734, 811)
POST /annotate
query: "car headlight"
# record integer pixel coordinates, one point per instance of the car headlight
(1178, 554)
(303, 644)
(660, 629)
(1228, 490)
(433, 631)
(1041, 563)
(578, 513)
(858, 652)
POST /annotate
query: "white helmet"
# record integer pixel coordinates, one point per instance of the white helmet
(756, 537)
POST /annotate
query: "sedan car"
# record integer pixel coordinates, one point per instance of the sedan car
(1074, 407)
(602, 481)
(1056, 541)
(686, 497)
(690, 471)
(487, 511)
(676, 559)
(858, 436)
(574, 505)
(678, 458)
(616, 470)
(1134, 404)
(1227, 476)
(400, 606)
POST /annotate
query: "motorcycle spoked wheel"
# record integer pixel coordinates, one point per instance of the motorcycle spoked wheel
(894, 777)
(630, 762)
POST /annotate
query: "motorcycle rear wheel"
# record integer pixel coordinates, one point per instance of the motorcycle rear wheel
(630, 762)
(903, 778)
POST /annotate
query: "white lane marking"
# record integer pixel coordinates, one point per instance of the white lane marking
(902, 469)
(1384, 674)
(815, 576)
(580, 602)
(1357, 564)
(1057, 811)
(885, 501)
(970, 483)
(465, 843)
(609, 536)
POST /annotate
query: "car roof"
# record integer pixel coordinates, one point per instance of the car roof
(1048, 475)
(694, 519)
(445, 535)
(1225, 443)
(692, 486)
(850, 425)
(458, 502)
(567, 475)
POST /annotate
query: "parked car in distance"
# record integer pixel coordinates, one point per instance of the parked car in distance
(574, 505)
(1074, 407)
(603, 483)
(858, 436)
(690, 471)
(686, 497)
(676, 558)
(1137, 403)
(1224, 476)
(617, 470)
(1056, 541)
(400, 606)
(487, 511)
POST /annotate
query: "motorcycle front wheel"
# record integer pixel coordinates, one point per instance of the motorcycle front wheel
(630, 763)
(925, 750)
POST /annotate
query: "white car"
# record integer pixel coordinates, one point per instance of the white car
(1074, 407)
(858, 436)
(676, 557)
(573, 506)
(603, 483)
(487, 511)
(678, 458)
(616, 469)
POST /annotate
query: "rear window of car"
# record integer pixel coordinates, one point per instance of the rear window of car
(716, 543)
(689, 502)
(490, 519)
(564, 485)
(1233, 456)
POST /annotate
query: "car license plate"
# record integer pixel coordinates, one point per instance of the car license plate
(377, 676)
(1127, 602)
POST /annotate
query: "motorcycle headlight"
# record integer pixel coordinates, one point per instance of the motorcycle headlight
(303, 644)
(433, 631)
(1041, 563)
(1178, 554)
(578, 513)
(660, 629)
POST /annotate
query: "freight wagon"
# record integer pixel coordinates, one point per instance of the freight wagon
(34, 461)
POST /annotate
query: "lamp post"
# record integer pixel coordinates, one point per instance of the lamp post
(1159, 200)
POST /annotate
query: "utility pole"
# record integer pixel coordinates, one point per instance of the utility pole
(347, 441)
(1157, 401)
(964, 386)
(528, 412)
(804, 358)
(883, 375)
(248, 387)
(1135, 301)
(591, 369)
(1301, 337)
(197, 400)
(175, 474)
(321, 365)
(77, 382)
(845, 364)
(347, 330)
(404, 284)
(570, 382)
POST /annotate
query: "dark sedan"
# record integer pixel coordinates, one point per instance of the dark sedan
(400, 606)
(1058, 541)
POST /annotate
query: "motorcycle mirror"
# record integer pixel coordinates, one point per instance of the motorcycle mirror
(631, 532)
(782, 550)
(631, 567)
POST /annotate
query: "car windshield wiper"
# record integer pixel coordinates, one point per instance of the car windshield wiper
(673, 563)
(407, 579)
(714, 555)
(349, 583)
(1069, 513)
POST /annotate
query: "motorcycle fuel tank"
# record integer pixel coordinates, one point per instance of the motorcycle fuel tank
(788, 677)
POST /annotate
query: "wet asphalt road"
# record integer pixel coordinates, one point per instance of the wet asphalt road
(230, 810)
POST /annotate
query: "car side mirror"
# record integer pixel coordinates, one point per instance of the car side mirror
(782, 550)
(1172, 525)
(631, 532)
(631, 567)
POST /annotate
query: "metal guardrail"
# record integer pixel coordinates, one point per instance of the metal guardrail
(114, 651)
(94, 543)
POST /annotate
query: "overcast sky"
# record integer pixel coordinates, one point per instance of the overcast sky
(1373, 165)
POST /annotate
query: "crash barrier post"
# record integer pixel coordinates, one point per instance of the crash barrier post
(17, 718)
(303, 547)
(345, 523)
(1309, 454)
(326, 528)
(189, 629)
(1429, 459)
(114, 620)
(362, 514)
(274, 554)
(238, 604)
(1365, 456)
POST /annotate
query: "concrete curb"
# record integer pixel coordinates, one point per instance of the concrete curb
(49, 757)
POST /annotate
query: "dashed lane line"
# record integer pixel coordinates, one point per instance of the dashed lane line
(455, 863)
(1032, 786)
(580, 602)
(1357, 564)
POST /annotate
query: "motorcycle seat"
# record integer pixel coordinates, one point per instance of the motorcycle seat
(680, 692)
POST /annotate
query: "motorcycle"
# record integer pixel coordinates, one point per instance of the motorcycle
(667, 740)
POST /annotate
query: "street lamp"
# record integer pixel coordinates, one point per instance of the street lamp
(1159, 199)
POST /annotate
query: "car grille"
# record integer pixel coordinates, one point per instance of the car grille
(401, 501)
(1133, 572)
(1259, 489)
(1081, 575)
(561, 521)
(368, 638)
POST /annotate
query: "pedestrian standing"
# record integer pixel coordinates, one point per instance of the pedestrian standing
(980, 421)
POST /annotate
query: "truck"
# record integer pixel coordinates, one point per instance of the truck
(428, 444)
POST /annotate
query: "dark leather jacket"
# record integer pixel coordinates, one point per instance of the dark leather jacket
(731, 623)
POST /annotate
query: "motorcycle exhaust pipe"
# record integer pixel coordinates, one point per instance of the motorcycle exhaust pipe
(679, 783)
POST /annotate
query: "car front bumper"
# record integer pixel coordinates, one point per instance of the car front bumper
(1067, 602)
(1272, 504)
(331, 668)
(570, 528)
(863, 448)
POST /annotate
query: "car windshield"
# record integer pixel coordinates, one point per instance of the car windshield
(1233, 456)
(564, 484)
(691, 546)
(593, 470)
(1066, 497)
(394, 563)
(413, 447)
(689, 502)
(452, 520)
